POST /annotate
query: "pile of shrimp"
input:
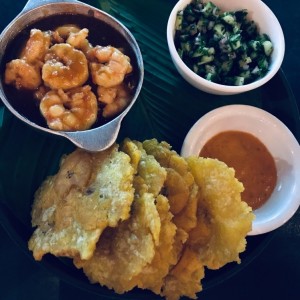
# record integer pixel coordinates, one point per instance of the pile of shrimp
(57, 66)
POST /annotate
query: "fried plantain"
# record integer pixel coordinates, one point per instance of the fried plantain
(142, 216)
(225, 219)
(70, 213)
(123, 252)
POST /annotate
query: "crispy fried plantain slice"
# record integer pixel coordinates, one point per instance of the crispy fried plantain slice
(152, 275)
(131, 246)
(185, 278)
(129, 147)
(142, 261)
(182, 192)
(149, 177)
(124, 251)
(179, 186)
(72, 208)
(149, 172)
(224, 220)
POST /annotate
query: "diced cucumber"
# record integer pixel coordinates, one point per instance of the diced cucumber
(223, 47)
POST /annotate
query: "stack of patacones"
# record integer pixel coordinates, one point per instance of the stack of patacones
(140, 215)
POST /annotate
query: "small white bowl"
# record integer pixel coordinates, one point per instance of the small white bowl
(267, 23)
(280, 142)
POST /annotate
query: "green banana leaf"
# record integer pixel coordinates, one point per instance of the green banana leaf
(166, 109)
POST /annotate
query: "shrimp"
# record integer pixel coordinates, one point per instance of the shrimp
(56, 38)
(25, 72)
(65, 67)
(116, 99)
(36, 47)
(107, 95)
(79, 40)
(65, 30)
(70, 111)
(74, 36)
(112, 109)
(22, 75)
(110, 67)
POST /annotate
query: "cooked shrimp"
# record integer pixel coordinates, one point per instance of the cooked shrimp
(22, 75)
(116, 99)
(102, 54)
(112, 109)
(56, 38)
(36, 46)
(65, 67)
(107, 95)
(70, 111)
(79, 40)
(111, 66)
(65, 30)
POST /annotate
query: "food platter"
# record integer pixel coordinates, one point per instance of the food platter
(166, 109)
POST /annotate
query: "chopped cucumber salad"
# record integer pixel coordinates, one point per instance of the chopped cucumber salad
(223, 47)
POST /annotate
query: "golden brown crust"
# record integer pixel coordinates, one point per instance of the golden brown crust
(186, 215)
(72, 208)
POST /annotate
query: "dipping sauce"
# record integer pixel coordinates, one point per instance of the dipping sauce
(253, 163)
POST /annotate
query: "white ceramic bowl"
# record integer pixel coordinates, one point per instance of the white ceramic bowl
(280, 142)
(267, 23)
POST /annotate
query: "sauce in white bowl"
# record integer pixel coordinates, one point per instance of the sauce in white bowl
(280, 142)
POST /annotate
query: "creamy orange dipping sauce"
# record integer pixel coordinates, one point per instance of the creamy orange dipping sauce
(253, 163)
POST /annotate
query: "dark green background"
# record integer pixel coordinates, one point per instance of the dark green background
(274, 274)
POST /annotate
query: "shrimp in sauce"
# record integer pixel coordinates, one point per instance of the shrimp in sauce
(25, 72)
(57, 65)
(74, 36)
(110, 67)
(70, 111)
(116, 99)
(37, 46)
(65, 30)
(22, 75)
(79, 40)
(65, 67)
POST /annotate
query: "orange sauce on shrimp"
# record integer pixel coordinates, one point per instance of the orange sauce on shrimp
(253, 163)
